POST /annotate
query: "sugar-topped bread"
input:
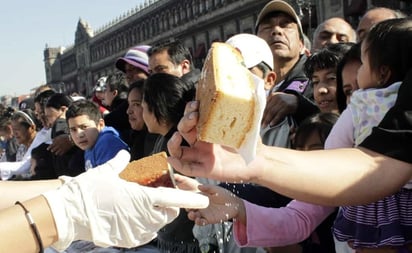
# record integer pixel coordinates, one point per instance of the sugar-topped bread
(151, 171)
(226, 93)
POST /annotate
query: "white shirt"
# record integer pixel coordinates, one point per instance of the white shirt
(23, 166)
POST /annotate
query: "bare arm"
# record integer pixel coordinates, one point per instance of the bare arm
(328, 177)
(12, 190)
(331, 177)
(16, 232)
(77, 209)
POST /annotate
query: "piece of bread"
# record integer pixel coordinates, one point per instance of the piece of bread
(226, 93)
(151, 171)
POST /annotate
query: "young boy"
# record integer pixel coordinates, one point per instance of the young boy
(89, 133)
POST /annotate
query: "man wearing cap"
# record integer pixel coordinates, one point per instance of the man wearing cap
(279, 25)
(134, 64)
(290, 101)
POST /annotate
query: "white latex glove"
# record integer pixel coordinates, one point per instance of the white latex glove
(100, 207)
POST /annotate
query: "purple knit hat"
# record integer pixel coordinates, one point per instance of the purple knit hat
(135, 56)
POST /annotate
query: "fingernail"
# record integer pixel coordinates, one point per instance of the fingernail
(194, 104)
(174, 136)
(191, 115)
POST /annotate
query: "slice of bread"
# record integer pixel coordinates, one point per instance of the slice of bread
(226, 93)
(151, 171)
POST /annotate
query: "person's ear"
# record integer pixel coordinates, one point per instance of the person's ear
(100, 124)
(270, 80)
(301, 46)
(63, 109)
(185, 64)
(384, 74)
(306, 51)
(32, 128)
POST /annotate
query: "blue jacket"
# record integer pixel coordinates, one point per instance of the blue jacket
(108, 144)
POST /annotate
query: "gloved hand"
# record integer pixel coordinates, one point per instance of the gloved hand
(100, 207)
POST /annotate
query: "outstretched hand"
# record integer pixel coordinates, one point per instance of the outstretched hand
(186, 183)
(98, 206)
(223, 206)
(202, 159)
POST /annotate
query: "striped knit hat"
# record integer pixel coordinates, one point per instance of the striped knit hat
(135, 56)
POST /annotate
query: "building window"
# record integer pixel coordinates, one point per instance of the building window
(183, 13)
(188, 12)
(200, 7)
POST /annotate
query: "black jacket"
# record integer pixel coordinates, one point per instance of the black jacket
(177, 236)
(192, 77)
(142, 144)
(118, 119)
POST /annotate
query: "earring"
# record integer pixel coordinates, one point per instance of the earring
(380, 83)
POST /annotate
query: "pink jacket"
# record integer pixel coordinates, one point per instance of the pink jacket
(279, 226)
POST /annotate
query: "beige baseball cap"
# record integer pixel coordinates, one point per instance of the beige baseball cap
(280, 6)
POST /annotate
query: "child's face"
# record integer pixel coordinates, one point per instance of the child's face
(324, 89)
(366, 77)
(349, 81)
(313, 142)
(84, 131)
(135, 110)
(99, 95)
(269, 79)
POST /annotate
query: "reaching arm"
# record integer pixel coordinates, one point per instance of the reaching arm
(24, 190)
(258, 226)
(84, 207)
(16, 232)
(328, 177)
(269, 227)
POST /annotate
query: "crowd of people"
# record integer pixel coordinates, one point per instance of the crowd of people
(332, 171)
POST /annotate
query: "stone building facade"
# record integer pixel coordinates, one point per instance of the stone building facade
(197, 23)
